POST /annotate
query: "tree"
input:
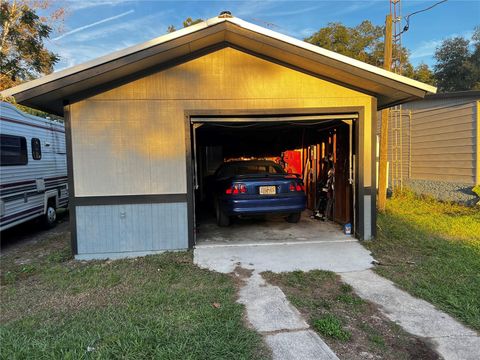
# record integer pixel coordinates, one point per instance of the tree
(362, 42)
(365, 42)
(189, 22)
(23, 55)
(453, 70)
(475, 58)
(186, 23)
(423, 73)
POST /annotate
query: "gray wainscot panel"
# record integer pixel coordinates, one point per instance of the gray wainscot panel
(115, 231)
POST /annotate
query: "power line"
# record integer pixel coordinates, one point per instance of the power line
(407, 18)
(266, 23)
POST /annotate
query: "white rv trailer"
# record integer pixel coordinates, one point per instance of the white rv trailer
(33, 168)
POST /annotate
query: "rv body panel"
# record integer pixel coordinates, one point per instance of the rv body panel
(33, 168)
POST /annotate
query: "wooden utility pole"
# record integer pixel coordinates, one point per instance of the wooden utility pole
(383, 156)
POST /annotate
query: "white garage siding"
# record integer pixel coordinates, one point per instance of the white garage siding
(128, 147)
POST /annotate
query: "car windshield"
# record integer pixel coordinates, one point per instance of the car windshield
(247, 168)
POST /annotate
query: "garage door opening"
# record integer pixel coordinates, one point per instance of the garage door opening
(317, 149)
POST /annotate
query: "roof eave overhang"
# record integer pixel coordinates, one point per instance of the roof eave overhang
(50, 92)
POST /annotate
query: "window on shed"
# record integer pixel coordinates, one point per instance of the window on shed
(36, 149)
(13, 150)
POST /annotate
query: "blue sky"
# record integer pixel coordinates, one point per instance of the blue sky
(95, 27)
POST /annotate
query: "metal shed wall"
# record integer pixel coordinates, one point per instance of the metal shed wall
(439, 140)
(444, 140)
(130, 140)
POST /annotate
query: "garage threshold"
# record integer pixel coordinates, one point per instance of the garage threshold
(273, 230)
(271, 243)
(336, 256)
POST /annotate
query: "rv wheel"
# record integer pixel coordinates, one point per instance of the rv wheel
(50, 217)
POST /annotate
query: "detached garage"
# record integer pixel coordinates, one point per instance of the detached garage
(148, 124)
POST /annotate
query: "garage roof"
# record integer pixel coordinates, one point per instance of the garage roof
(48, 93)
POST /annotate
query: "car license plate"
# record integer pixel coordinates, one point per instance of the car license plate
(268, 190)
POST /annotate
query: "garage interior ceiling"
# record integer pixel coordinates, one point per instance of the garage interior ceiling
(264, 119)
(263, 136)
(49, 92)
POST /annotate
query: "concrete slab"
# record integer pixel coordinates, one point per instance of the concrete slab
(272, 229)
(452, 339)
(268, 308)
(301, 345)
(271, 314)
(459, 348)
(338, 256)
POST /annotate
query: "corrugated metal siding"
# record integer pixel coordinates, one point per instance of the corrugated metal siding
(105, 229)
(442, 140)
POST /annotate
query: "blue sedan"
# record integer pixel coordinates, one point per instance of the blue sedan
(257, 187)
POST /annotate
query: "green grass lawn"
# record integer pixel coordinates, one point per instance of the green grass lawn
(432, 250)
(161, 307)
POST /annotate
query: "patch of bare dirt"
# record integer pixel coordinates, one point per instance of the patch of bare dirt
(242, 273)
(16, 239)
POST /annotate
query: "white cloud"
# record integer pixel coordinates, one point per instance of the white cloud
(427, 48)
(293, 11)
(76, 5)
(80, 53)
(74, 55)
(96, 23)
(306, 32)
(97, 41)
(254, 8)
(353, 7)
(123, 26)
(147, 26)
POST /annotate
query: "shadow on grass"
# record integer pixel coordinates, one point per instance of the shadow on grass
(441, 270)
